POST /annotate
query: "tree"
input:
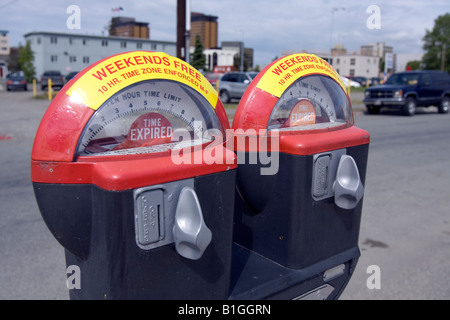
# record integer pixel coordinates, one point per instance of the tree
(437, 45)
(13, 61)
(198, 60)
(237, 61)
(414, 64)
(26, 58)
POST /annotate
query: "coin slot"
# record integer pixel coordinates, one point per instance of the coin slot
(148, 216)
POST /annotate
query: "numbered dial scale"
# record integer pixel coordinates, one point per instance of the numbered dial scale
(147, 117)
(312, 102)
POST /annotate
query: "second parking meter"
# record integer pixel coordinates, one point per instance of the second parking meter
(132, 177)
(300, 182)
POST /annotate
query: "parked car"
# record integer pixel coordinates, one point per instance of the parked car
(353, 84)
(232, 85)
(409, 90)
(374, 81)
(55, 76)
(70, 76)
(16, 81)
(212, 77)
(361, 80)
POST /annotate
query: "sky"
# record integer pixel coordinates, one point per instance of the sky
(271, 28)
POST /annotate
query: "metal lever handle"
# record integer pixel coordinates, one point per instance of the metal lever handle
(190, 232)
(348, 188)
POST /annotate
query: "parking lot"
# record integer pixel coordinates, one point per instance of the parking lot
(405, 229)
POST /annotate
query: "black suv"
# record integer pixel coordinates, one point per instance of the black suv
(56, 78)
(408, 90)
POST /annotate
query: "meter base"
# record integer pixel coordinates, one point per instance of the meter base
(113, 266)
(282, 221)
(255, 277)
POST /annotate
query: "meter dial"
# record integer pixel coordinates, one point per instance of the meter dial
(312, 102)
(147, 117)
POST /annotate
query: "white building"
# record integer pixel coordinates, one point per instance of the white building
(219, 57)
(356, 65)
(4, 52)
(4, 43)
(67, 52)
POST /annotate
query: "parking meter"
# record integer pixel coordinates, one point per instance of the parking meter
(132, 178)
(300, 182)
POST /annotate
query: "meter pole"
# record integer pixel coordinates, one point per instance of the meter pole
(188, 31)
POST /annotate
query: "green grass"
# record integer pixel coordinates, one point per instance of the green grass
(231, 105)
(359, 89)
(44, 95)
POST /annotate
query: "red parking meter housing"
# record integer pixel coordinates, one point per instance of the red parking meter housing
(132, 177)
(302, 166)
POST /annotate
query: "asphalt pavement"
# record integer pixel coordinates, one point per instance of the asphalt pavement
(405, 228)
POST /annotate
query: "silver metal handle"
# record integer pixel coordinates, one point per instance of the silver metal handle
(348, 188)
(190, 232)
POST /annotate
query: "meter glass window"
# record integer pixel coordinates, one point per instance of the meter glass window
(147, 117)
(310, 103)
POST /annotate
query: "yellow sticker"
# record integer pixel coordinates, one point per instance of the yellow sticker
(117, 72)
(290, 68)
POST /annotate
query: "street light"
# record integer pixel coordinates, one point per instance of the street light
(333, 10)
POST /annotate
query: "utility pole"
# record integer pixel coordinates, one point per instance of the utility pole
(181, 28)
(188, 31)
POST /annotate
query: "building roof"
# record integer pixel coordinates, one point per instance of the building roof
(196, 16)
(126, 21)
(97, 37)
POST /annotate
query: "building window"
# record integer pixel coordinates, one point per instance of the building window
(123, 44)
(84, 42)
(53, 40)
(73, 59)
(38, 40)
(70, 41)
(352, 72)
(153, 46)
(352, 61)
(53, 58)
(139, 45)
(104, 43)
(85, 59)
